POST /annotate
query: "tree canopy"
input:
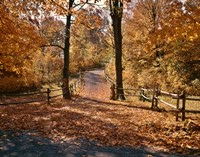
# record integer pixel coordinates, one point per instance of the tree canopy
(164, 37)
(160, 41)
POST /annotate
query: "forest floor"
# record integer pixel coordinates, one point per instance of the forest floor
(93, 125)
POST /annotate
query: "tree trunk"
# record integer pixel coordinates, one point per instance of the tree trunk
(116, 15)
(66, 91)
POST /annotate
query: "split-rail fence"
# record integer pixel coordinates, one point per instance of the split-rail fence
(182, 100)
(40, 96)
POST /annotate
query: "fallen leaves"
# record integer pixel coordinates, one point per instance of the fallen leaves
(106, 123)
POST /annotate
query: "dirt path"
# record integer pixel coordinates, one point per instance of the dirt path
(96, 86)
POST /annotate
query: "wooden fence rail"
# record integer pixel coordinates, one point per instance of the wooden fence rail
(156, 99)
(74, 89)
(26, 101)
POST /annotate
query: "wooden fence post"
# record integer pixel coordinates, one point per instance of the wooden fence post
(143, 99)
(140, 96)
(177, 106)
(112, 92)
(153, 98)
(48, 96)
(141, 93)
(183, 105)
(156, 97)
(71, 86)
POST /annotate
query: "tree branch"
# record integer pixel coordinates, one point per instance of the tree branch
(54, 45)
(59, 5)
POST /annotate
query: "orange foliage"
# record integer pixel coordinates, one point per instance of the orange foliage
(19, 43)
(162, 45)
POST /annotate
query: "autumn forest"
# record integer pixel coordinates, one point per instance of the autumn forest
(160, 42)
(33, 43)
(95, 75)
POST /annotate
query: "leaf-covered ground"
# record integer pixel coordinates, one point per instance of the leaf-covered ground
(110, 123)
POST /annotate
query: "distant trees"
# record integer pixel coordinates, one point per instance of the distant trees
(164, 38)
(49, 63)
(88, 48)
(140, 54)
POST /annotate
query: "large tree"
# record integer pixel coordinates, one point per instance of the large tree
(116, 12)
(66, 91)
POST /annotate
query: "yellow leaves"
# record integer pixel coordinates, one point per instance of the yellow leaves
(19, 42)
(174, 38)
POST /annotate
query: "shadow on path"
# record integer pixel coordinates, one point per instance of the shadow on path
(25, 145)
(98, 101)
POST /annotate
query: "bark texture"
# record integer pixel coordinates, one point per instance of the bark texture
(66, 91)
(116, 8)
